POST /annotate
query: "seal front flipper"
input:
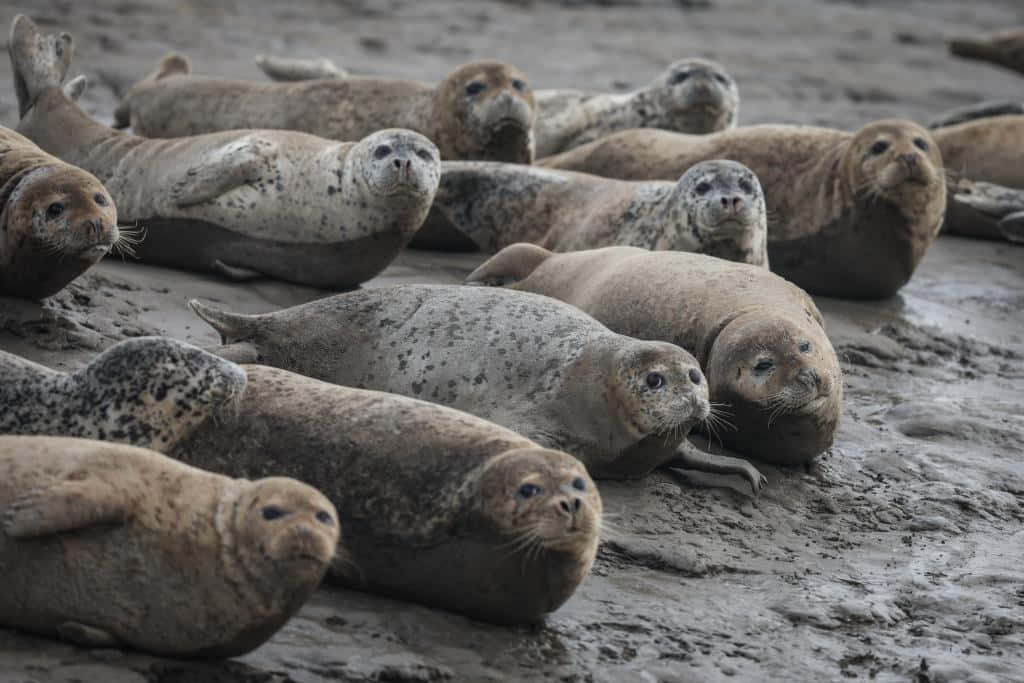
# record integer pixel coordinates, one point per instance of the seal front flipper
(236, 273)
(510, 265)
(690, 457)
(88, 636)
(69, 505)
(223, 169)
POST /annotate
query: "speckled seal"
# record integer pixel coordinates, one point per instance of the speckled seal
(849, 214)
(761, 340)
(148, 391)
(110, 545)
(438, 506)
(533, 364)
(482, 110)
(715, 208)
(243, 203)
(695, 96)
(56, 220)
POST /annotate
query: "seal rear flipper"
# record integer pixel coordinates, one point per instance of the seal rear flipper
(172, 64)
(88, 636)
(75, 88)
(298, 69)
(690, 457)
(975, 112)
(1012, 227)
(38, 61)
(988, 198)
(509, 266)
(222, 170)
(69, 505)
(232, 327)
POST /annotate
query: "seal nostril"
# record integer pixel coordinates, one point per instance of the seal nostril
(576, 504)
(397, 163)
(725, 202)
(694, 375)
(564, 504)
(737, 202)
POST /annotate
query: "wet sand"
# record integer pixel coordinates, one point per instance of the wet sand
(897, 556)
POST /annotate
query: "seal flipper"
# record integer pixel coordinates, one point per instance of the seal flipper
(75, 88)
(38, 61)
(236, 273)
(976, 111)
(298, 69)
(1012, 227)
(69, 505)
(89, 636)
(232, 327)
(173, 63)
(225, 168)
(690, 457)
(509, 266)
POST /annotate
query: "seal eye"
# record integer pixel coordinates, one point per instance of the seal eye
(425, 155)
(475, 88)
(54, 210)
(528, 490)
(99, 199)
(703, 187)
(805, 347)
(921, 144)
(879, 147)
(381, 152)
(746, 186)
(655, 380)
(271, 512)
(721, 79)
(518, 84)
(323, 516)
(679, 77)
(579, 484)
(763, 366)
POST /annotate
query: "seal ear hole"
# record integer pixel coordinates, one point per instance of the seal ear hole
(54, 210)
(763, 365)
(324, 517)
(679, 77)
(99, 199)
(805, 347)
(381, 152)
(655, 380)
(921, 144)
(272, 512)
(579, 484)
(879, 147)
(703, 187)
(527, 491)
(475, 88)
(518, 84)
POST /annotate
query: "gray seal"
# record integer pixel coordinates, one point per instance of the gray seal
(148, 391)
(109, 545)
(438, 506)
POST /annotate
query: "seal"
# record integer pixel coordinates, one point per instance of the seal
(147, 391)
(973, 112)
(111, 545)
(985, 210)
(691, 96)
(849, 214)
(56, 220)
(716, 208)
(760, 339)
(482, 110)
(243, 203)
(438, 506)
(694, 96)
(1004, 48)
(530, 363)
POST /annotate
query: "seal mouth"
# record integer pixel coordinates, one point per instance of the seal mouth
(95, 252)
(503, 125)
(731, 226)
(812, 406)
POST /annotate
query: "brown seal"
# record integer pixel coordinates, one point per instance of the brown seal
(1004, 48)
(56, 220)
(438, 506)
(112, 545)
(246, 203)
(482, 110)
(760, 339)
(849, 214)
(716, 208)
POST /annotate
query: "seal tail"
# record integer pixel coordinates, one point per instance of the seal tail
(509, 266)
(172, 64)
(38, 61)
(296, 69)
(232, 327)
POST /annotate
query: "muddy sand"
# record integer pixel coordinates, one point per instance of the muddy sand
(897, 556)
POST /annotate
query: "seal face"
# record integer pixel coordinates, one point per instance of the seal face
(57, 220)
(770, 366)
(111, 545)
(696, 96)
(147, 391)
(438, 506)
(552, 373)
(486, 111)
(398, 163)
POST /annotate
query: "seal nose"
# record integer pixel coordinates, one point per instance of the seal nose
(404, 167)
(910, 161)
(570, 506)
(735, 203)
(93, 227)
(809, 378)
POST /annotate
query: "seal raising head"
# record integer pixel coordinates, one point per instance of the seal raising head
(696, 96)
(892, 160)
(147, 391)
(486, 112)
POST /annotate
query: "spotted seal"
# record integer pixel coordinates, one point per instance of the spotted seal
(147, 391)
(760, 339)
(849, 214)
(111, 545)
(244, 203)
(482, 110)
(715, 208)
(438, 506)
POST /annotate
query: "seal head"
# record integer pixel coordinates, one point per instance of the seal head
(892, 160)
(486, 112)
(696, 96)
(726, 212)
(398, 163)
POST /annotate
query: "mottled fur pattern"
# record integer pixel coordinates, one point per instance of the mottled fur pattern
(147, 391)
(110, 545)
